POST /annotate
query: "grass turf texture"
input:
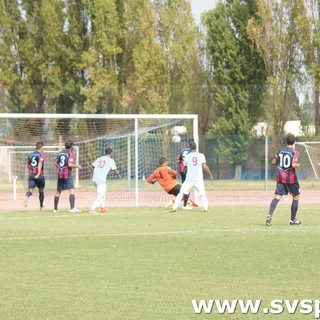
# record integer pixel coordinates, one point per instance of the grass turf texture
(144, 263)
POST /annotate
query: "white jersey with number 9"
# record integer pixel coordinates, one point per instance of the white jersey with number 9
(193, 161)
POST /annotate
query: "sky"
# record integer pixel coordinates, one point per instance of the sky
(199, 6)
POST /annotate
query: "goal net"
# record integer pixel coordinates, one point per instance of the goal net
(309, 158)
(138, 141)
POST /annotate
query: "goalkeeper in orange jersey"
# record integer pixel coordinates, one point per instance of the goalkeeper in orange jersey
(167, 180)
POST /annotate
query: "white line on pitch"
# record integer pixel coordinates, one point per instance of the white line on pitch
(138, 234)
(43, 216)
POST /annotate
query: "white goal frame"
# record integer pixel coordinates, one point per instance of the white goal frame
(135, 117)
(304, 144)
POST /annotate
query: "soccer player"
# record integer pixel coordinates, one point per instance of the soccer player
(180, 160)
(65, 162)
(195, 164)
(167, 180)
(102, 166)
(182, 153)
(35, 167)
(286, 161)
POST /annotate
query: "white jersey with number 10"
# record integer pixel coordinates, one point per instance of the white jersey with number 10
(102, 167)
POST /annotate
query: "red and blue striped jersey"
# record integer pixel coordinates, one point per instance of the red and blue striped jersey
(63, 159)
(285, 158)
(33, 161)
(183, 152)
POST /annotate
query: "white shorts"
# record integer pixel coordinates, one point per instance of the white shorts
(198, 185)
(101, 188)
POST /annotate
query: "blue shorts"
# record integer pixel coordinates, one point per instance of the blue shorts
(285, 188)
(39, 183)
(183, 176)
(65, 184)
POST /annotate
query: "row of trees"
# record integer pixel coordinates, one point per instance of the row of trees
(251, 60)
(101, 56)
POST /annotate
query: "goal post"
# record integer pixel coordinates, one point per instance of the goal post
(138, 141)
(309, 158)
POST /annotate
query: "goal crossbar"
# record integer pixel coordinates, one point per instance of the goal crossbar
(97, 116)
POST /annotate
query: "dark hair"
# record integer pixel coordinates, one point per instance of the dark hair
(108, 150)
(69, 144)
(193, 146)
(162, 160)
(190, 140)
(290, 139)
(39, 145)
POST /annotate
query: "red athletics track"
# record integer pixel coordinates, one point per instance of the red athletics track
(154, 199)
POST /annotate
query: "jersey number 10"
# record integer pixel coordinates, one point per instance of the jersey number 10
(101, 164)
(285, 161)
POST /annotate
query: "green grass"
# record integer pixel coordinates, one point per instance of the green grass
(148, 264)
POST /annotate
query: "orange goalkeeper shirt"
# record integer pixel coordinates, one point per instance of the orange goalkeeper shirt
(165, 176)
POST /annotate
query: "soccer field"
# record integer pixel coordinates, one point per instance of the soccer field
(145, 263)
